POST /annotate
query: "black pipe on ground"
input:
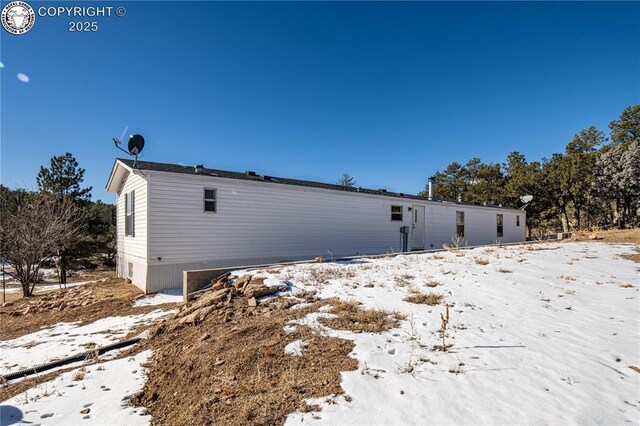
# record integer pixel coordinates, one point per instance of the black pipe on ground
(68, 360)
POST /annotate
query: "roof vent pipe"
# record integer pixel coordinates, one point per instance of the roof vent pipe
(431, 188)
(198, 168)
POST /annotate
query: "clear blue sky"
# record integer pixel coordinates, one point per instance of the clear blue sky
(388, 92)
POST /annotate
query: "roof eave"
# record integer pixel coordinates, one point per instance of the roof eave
(118, 173)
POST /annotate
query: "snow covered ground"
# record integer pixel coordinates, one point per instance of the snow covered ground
(94, 395)
(541, 335)
(65, 339)
(171, 295)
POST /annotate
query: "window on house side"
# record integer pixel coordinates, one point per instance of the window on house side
(517, 220)
(460, 224)
(129, 214)
(396, 213)
(210, 200)
(499, 225)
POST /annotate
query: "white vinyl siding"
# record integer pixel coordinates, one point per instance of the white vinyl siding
(252, 224)
(132, 250)
(133, 246)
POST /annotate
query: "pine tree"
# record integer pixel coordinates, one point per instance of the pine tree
(346, 180)
(63, 180)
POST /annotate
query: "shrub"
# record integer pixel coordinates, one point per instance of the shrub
(430, 298)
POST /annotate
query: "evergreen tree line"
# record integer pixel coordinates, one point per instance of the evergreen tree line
(595, 182)
(57, 224)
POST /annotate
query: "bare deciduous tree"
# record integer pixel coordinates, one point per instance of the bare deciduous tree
(32, 232)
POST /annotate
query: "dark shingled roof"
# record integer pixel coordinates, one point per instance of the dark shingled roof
(251, 176)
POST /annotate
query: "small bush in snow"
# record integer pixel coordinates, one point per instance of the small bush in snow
(350, 316)
(430, 298)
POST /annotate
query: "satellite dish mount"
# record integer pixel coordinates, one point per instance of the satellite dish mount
(134, 146)
(526, 199)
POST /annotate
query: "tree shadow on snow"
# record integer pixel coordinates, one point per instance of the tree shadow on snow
(10, 415)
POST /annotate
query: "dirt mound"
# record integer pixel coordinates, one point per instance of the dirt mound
(86, 303)
(222, 359)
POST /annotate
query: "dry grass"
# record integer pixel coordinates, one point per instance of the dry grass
(421, 298)
(432, 282)
(612, 236)
(79, 375)
(403, 280)
(113, 297)
(505, 271)
(350, 316)
(632, 257)
(626, 285)
(568, 277)
(481, 260)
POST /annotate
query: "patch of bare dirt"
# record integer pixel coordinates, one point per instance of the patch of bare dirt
(632, 257)
(86, 303)
(612, 236)
(222, 360)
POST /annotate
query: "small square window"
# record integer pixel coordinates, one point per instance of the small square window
(210, 195)
(396, 213)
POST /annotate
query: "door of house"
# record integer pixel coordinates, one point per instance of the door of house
(417, 228)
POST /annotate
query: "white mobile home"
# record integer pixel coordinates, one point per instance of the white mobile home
(172, 218)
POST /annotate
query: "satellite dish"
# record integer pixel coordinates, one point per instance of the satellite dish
(526, 198)
(135, 145)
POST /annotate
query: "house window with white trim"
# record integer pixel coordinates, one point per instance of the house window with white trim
(210, 196)
(396, 213)
(129, 214)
